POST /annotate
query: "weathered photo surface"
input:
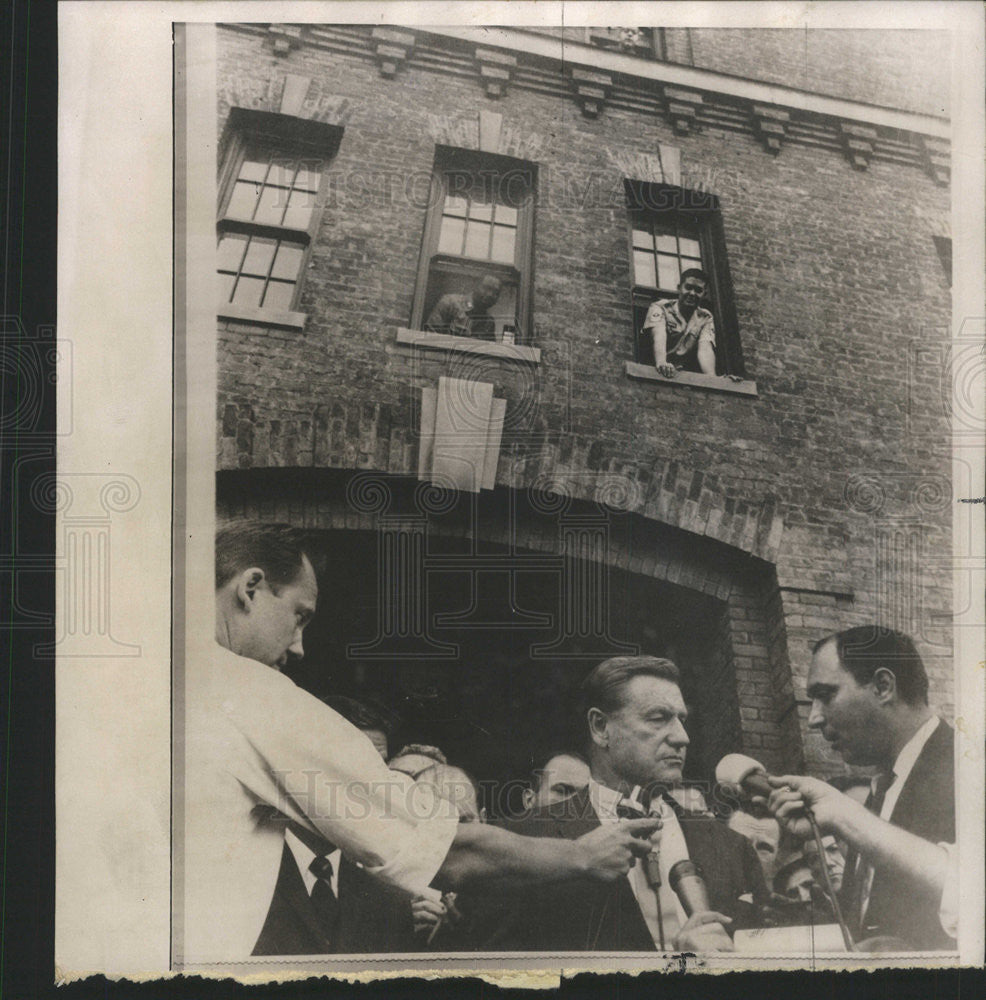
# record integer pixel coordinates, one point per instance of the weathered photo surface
(567, 415)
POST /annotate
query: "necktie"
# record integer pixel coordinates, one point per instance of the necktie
(324, 900)
(863, 882)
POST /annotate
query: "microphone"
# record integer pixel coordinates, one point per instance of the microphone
(685, 878)
(745, 773)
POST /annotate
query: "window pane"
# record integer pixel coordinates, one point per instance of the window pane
(230, 251)
(503, 244)
(690, 247)
(244, 198)
(248, 291)
(481, 210)
(279, 294)
(477, 240)
(226, 282)
(271, 206)
(258, 256)
(454, 205)
(300, 207)
(666, 243)
(667, 272)
(287, 263)
(282, 173)
(453, 231)
(307, 177)
(254, 167)
(643, 269)
(642, 238)
(506, 215)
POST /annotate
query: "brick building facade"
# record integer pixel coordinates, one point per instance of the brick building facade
(726, 521)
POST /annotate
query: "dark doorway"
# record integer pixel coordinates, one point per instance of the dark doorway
(502, 694)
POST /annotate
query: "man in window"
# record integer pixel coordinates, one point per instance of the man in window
(683, 333)
(467, 315)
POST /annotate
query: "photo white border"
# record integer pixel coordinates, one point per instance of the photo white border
(115, 305)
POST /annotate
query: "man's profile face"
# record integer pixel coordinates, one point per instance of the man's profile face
(646, 734)
(846, 713)
(764, 833)
(561, 778)
(276, 618)
(691, 291)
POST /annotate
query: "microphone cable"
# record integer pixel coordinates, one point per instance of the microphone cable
(833, 898)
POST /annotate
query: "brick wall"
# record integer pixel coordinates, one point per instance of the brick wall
(901, 69)
(842, 306)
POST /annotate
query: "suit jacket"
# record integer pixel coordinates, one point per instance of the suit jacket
(373, 916)
(583, 915)
(926, 808)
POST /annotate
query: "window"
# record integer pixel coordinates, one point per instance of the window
(645, 42)
(271, 194)
(672, 229)
(480, 222)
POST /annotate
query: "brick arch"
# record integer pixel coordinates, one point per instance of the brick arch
(751, 691)
(375, 436)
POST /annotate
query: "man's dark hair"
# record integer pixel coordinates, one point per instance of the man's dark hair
(694, 272)
(278, 549)
(361, 715)
(603, 686)
(867, 648)
(542, 760)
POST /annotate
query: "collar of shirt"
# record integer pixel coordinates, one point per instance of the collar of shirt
(904, 764)
(304, 856)
(604, 801)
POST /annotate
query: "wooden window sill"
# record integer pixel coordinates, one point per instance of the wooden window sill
(711, 383)
(468, 345)
(263, 317)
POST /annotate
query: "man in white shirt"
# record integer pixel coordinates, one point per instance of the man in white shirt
(869, 699)
(635, 716)
(254, 740)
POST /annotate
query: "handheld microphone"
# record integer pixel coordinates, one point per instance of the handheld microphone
(743, 772)
(685, 879)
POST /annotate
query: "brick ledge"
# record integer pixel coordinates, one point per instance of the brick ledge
(263, 317)
(712, 383)
(447, 342)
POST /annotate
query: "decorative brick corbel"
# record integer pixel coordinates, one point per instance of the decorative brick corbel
(284, 38)
(683, 106)
(393, 48)
(935, 155)
(495, 70)
(591, 90)
(770, 125)
(858, 141)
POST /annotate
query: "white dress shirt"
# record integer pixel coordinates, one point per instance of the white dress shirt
(304, 856)
(672, 848)
(254, 738)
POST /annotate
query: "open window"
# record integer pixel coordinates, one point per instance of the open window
(480, 222)
(672, 229)
(271, 192)
(647, 43)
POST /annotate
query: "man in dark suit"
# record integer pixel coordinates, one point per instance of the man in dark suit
(869, 698)
(635, 716)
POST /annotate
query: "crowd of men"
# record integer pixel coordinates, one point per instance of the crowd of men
(307, 833)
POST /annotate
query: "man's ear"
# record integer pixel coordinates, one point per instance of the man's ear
(527, 797)
(247, 585)
(885, 684)
(598, 721)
